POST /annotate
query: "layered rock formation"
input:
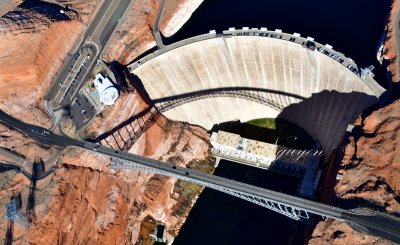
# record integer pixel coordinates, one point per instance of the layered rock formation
(370, 170)
(335, 232)
(371, 166)
(35, 39)
(84, 201)
(371, 162)
(134, 34)
(390, 48)
(78, 191)
(182, 11)
(104, 208)
(12, 185)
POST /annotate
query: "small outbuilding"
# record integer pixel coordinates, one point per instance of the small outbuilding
(108, 93)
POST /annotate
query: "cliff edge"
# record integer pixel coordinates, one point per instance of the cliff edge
(370, 171)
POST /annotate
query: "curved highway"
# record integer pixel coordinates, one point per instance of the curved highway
(377, 224)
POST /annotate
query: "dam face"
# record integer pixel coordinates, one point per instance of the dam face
(248, 74)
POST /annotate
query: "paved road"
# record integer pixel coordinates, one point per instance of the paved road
(263, 32)
(23, 165)
(76, 68)
(156, 27)
(376, 224)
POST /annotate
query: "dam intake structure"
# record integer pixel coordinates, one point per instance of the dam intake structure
(257, 73)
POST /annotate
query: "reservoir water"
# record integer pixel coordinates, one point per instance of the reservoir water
(352, 27)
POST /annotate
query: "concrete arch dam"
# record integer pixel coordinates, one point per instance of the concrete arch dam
(256, 73)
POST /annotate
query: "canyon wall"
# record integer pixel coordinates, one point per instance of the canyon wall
(370, 171)
(336, 232)
(390, 51)
(84, 201)
(182, 11)
(134, 34)
(371, 166)
(36, 38)
(101, 206)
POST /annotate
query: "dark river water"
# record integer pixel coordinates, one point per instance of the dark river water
(218, 218)
(353, 27)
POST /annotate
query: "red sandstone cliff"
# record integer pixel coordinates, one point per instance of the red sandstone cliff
(83, 201)
(371, 162)
(134, 34)
(391, 49)
(182, 10)
(370, 170)
(339, 233)
(35, 41)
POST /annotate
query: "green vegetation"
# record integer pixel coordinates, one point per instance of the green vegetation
(275, 130)
(187, 191)
(263, 122)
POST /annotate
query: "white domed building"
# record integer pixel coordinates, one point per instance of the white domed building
(108, 94)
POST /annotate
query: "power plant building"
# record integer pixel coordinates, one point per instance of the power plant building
(301, 163)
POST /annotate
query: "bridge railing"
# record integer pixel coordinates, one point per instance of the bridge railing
(282, 208)
(293, 207)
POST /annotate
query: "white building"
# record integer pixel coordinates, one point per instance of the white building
(255, 153)
(106, 90)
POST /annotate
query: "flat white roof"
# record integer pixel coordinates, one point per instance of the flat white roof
(106, 89)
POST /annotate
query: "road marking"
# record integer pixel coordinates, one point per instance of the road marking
(104, 17)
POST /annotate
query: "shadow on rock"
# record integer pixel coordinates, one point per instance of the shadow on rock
(52, 11)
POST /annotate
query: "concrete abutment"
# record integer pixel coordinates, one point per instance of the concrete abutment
(302, 81)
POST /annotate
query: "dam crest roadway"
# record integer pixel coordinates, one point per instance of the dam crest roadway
(232, 54)
(277, 75)
(294, 207)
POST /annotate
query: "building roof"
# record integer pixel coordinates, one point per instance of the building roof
(237, 143)
(106, 89)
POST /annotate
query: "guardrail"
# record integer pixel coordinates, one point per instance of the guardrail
(365, 74)
(50, 112)
(307, 42)
(170, 47)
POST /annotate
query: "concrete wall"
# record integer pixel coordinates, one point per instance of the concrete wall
(319, 90)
